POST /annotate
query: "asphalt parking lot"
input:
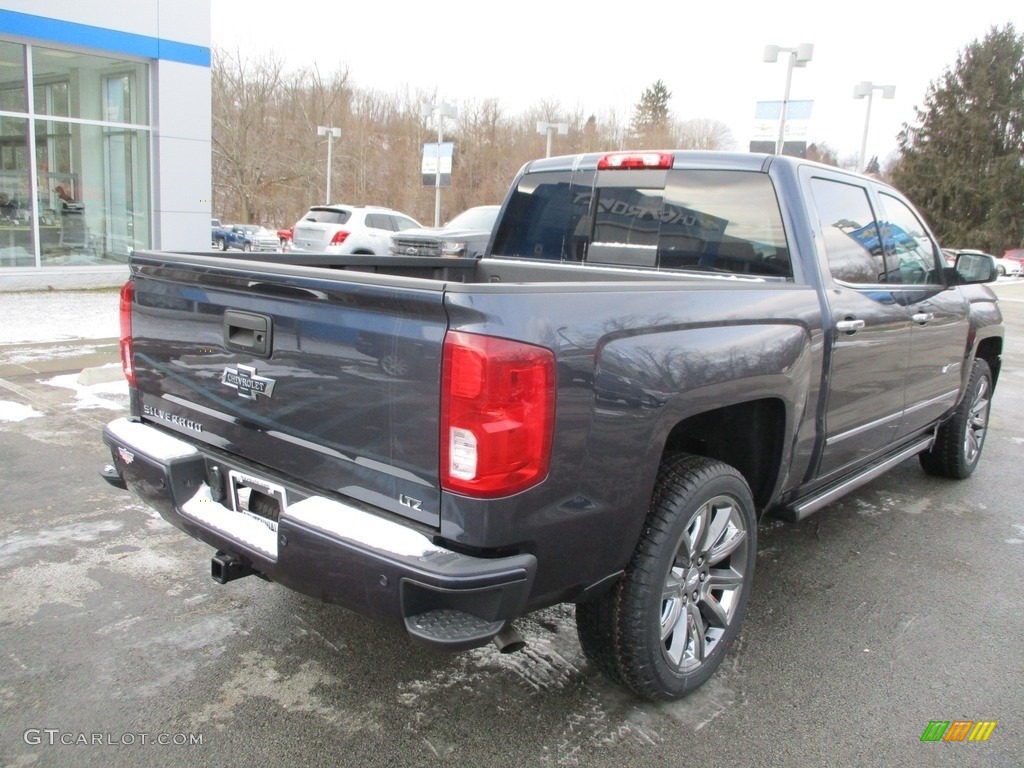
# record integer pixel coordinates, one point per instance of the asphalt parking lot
(897, 606)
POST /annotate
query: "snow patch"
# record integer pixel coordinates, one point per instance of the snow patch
(60, 315)
(157, 445)
(92, 396)
(202, 508)
(10, 411)
(345, 522)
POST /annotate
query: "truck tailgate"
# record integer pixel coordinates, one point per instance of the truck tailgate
(333, 383)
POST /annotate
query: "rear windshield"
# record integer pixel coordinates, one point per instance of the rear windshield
(327, 215)
(694, 220)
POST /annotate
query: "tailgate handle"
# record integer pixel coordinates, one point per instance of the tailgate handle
(248, 332)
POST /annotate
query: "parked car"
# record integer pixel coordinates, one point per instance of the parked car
(1004, 267)
(465, 236)
(1015, 254)
(245, 237)
(349, 229)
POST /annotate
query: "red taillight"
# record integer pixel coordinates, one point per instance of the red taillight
(339, 237)
(497, 415)
(127, 352)
(633, 160)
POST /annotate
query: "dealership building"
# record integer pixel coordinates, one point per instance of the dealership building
(105, 136)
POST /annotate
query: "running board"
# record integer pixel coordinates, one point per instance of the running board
(823, 498)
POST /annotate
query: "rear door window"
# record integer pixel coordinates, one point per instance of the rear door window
(379, 221)
(850, 235)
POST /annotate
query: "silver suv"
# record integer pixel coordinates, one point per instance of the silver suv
(349, 229)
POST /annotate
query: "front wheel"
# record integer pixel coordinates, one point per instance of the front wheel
(665, 627)
(959, 441)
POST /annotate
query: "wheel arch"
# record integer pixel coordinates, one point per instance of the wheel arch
(749, 436)
(991, 351)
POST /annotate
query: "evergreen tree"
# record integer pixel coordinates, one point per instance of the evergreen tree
(651, 115)
(962, 163)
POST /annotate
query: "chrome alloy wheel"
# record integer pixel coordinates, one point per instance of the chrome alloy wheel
(704, 584)
(977, 422)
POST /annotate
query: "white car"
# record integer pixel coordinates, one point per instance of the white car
(349, 229)
(1004, 267)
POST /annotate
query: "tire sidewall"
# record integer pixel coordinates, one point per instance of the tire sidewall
(980, 373)
(669, 683)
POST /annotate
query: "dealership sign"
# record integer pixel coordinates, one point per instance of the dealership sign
(437, 165)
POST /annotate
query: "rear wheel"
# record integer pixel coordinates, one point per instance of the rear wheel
(665, 627)
(959, 441)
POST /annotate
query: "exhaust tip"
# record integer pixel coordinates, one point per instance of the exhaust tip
(508, 640)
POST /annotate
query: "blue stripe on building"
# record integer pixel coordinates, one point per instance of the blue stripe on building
(86, 36)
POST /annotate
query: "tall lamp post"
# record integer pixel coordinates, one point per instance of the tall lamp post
(549, 130)
(867, 88)
(798, 57)
(439, 112)
(331, 133)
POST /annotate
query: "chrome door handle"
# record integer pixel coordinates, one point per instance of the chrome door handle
(849, 326)
(923, 317)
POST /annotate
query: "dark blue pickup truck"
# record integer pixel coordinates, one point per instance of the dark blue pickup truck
(655, 350)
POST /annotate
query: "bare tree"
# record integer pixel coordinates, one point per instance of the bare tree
(270, 166)
(703, 133)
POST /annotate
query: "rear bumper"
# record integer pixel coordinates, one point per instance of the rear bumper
(335, 551)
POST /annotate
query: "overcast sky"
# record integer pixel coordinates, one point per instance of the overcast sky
(601, 56)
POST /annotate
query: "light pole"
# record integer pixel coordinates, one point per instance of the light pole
(798, 57)
(439, 111)
(549, 129)
(867, 88)
(331, 133)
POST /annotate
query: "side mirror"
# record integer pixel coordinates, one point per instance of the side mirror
(974, 268)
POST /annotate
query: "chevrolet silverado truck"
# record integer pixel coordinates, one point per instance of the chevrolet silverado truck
(655, 350)
(464, 237)
(245, 237)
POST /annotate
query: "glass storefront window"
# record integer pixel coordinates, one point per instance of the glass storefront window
(76, 82)
(86, 200)
(97, 211)
(12, 77)
(17, 238)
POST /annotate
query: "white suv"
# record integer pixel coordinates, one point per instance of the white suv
(349, 229)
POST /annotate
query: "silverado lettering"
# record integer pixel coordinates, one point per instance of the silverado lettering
(172, 418)
(654, 351)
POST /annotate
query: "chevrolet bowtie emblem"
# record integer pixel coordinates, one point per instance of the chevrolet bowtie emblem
(247, 382)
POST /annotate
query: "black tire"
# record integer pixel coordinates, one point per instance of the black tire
(1000, 270)
(246, 247)
(959, 441)
(595, 629)
(223, 245)
(692, 570)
